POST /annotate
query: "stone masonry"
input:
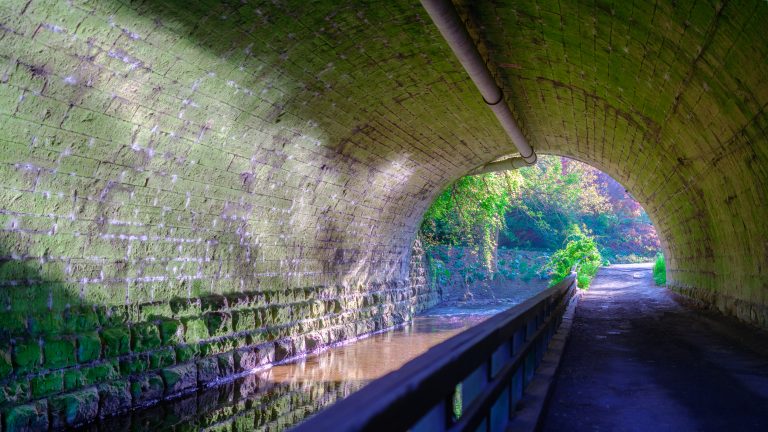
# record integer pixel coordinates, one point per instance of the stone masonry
(195, 188)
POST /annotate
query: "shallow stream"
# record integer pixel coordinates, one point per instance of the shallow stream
(280, 397)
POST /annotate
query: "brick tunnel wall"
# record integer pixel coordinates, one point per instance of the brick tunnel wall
(191, 191)
(192, 188)
(669, 98)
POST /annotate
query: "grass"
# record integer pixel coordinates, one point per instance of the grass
(660, 271)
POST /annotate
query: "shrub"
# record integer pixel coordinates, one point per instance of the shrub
(660, 271)
(580, 253)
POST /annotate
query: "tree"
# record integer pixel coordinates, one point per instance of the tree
(554, 194)
(535, 207)
(471, 212)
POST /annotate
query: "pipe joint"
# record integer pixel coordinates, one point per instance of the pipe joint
(531, 159)
(448, 22)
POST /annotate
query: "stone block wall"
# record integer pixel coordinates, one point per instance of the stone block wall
(62, 370)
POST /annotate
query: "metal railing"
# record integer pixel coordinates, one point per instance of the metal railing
(473, 381)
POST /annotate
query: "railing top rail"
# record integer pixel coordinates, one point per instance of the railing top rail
(406, 394)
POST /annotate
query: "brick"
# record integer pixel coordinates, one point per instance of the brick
(171, 332)
(245, 320)
(146, 388)
(101, 372)
(28, 417)
(180, 378)
(74, 379)
(246, 359)
(88, 347)
(134, 364)
(207, 370)
(12, 323)
(114, 397)
(6, 362)
(219, 323)
(27, 356)
(116, 341)
(49, 383)
(74, 408)
(185, 353)
(195, 329)
(162, 358)
(82, 319)
(226, 363)
(145, 337)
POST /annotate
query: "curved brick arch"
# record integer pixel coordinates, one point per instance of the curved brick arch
(197, 188)
(669, 100)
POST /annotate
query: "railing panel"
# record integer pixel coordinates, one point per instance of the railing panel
(473, 385)
(434, 420)
(500, 411)
(517, 387)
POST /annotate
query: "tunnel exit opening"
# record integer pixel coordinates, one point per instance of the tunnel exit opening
(505, 235)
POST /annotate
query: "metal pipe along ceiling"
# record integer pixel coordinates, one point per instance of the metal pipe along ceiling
(449, 23)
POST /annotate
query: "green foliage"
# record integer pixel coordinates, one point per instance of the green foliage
(534, 208)
(557, 193)
(471, 213)
(554, 194)
(581, 253)
(440, 272)
(660, 271)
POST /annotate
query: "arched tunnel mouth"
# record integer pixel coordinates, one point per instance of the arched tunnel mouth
(194, 190)
(541, 207)
(342, 369)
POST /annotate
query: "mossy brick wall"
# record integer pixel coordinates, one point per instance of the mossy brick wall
(184, 198)
(185, 180)
(88, 362)
(669, 98)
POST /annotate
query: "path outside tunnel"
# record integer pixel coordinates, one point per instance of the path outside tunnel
(637, 360)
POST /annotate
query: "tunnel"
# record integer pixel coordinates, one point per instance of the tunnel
(191, 190)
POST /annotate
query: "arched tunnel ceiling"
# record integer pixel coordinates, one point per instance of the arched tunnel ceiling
(669, 98)
(294, 143)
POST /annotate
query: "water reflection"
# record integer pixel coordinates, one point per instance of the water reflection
(275, 399)
(254, 402)
(375, 356)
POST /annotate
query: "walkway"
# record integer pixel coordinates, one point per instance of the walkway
(639, 361)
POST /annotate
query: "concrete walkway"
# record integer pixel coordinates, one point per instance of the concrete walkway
(637, 360)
